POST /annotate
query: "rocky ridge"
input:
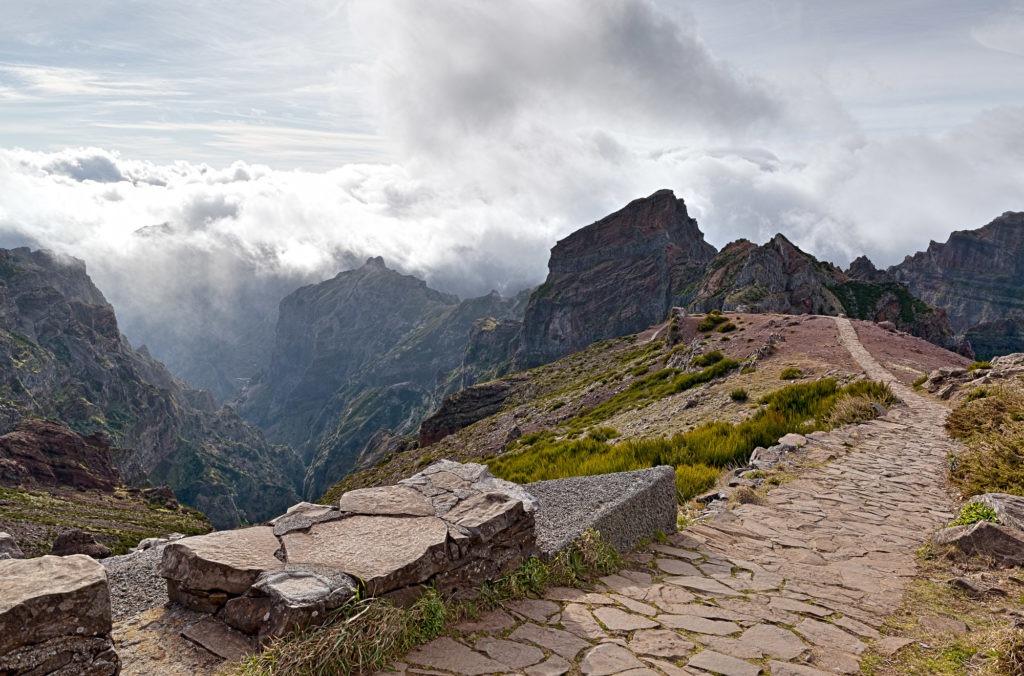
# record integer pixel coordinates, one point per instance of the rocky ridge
(616, 276)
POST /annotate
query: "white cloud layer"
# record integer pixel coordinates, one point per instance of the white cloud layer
(460, 139)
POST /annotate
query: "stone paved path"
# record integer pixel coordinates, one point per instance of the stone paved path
(797, 585)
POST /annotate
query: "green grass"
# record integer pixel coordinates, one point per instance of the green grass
(651, 388)
(973, 512)
(739, 395)
(705, 450)
(990, 423)
(707, 359)
(979, 365)
(711, 320)
(791, 373)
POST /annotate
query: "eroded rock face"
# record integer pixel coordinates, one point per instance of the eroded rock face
(79, 542)
(614, 277)
(49, 454)
(976, 276)
(55, 617)
(452, 525)
(9, 548)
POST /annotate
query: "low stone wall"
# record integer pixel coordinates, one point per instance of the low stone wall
(55, 617)
(625, 508)
(451, 525)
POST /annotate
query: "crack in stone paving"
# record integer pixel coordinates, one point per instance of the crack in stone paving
(800, 584)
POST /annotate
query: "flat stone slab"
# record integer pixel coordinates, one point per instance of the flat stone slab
(608, 658)
(556, 640)
(52, 597)
(386, 501)
(718, 663)
(774, 641)
(661, 643)
(215, 636)
(619, 620)
(510, 653)
(228, 560)
(446, 653)
(385, 552)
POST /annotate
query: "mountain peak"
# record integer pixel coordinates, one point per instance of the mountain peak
(375, 262)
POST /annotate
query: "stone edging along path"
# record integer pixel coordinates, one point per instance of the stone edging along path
(797, 585)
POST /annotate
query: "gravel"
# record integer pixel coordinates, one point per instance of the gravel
(624, 507)
(134, 583)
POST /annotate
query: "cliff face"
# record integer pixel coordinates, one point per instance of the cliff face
(369, 350)
(614, 277)
(977, 276)
(63, 357)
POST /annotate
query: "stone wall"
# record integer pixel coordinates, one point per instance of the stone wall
(451, 525)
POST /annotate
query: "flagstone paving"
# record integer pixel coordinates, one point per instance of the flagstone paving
(798, 585)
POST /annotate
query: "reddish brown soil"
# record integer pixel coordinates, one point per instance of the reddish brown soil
(908, 358)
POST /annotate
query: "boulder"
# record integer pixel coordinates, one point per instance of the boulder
(79, 542)
(202, 570)
(1004, 545)
(55, 617)
(1009, 509)
(9, 548)
(282, 601)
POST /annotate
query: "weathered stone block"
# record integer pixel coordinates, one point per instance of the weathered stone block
(55, 614)
(386, 501)
(1004, 545)
(228, 561)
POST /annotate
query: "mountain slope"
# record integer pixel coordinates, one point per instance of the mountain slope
(63, 357)
(366, 351)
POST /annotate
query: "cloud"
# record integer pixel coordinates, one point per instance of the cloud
(490, 131)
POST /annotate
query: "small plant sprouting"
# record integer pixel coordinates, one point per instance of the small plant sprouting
(973, 512)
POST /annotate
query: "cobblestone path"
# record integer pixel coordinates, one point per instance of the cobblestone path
(797, 585)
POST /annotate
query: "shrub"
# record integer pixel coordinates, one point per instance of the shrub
(849, 410)
(726, 327)
(707, 359)
(711, 320)
(602, 433)
(919, 382)
(791, 373)
(692, 480)
(992, 429)
(973, 512)
(739, 394)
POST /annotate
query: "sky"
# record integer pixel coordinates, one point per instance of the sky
(460, 139)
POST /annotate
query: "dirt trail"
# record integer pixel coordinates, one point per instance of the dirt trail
(797, 585)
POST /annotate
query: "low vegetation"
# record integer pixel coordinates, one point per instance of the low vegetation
(712, 320)
(366, 634)
(990, 423)
(698, 455)
(118, 520)
(791, 373)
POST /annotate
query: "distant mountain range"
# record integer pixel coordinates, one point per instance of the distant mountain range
(358, 361)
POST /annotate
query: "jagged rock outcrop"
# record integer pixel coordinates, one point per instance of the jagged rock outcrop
(451, 525)
(63, 357)
(55, 617)
(614, 277)
(46, 453)
(779, 277)
(369, 350)
(863, 270)
(464, 408)
(977, 277)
